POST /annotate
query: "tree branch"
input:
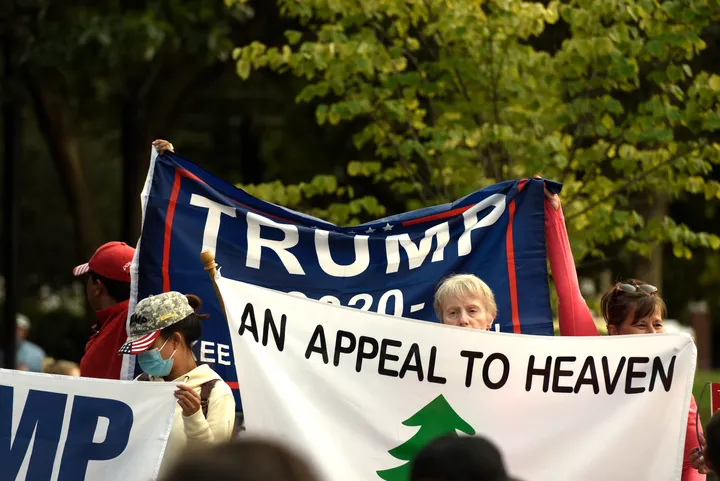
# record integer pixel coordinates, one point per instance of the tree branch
(377, 28)
(494, 80)
(57, 126)
(623, 187)
(414, 176)
(150, 115)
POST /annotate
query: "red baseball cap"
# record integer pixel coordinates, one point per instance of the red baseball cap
(111, 261)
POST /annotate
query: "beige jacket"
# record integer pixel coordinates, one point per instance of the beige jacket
(191, 431)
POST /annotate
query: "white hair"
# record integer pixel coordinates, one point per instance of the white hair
(464, 285)
(22, 321)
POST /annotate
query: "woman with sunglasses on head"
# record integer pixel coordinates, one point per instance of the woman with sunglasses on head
(628, 307)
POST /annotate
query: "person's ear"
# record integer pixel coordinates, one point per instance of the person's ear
(97, 287)
(612, 330)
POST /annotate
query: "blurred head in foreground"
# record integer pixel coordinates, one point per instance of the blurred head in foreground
(466, 301)
(712, 440)
(453, 458)
(242, 460)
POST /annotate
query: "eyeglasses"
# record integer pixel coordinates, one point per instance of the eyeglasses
(646, 288)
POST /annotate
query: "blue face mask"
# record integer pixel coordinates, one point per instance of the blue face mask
(152, 363)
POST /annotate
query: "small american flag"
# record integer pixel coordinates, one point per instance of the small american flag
(140, 345)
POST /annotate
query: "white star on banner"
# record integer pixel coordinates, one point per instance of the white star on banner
(370, 230)
(387, 227)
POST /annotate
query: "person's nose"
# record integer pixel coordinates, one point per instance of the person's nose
(464, 319)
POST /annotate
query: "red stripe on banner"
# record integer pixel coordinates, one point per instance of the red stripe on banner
(179, 174)
(186, 173)
(233, 385)
(510, 249)
(264, 214)
(450, 213)
(168, 230)
(441, 215)
(190, 175)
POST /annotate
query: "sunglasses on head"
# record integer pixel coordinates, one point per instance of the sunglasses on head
(646, 288)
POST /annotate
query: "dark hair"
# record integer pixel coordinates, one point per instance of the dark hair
(617, 304)
(241, 460)
(189, 328)
(120, 291)
(712, 438)
(453, 458)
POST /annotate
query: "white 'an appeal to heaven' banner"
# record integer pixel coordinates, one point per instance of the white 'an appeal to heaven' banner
(345, 387)
(71, 429)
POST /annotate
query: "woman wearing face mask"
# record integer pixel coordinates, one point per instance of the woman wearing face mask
(161, 331)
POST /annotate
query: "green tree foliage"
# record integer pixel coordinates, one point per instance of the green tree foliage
(125, 65)
(450, 96)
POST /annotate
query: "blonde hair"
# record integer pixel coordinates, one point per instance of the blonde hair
(464, 285)
(54, 366)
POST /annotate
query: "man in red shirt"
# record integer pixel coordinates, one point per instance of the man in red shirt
(108, 292)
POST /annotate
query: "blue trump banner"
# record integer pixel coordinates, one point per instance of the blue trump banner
(82, 429)
(392, 265)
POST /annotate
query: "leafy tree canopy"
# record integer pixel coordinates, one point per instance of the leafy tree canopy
(605, 96)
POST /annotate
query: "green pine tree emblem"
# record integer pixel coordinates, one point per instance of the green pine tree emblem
(435, 419)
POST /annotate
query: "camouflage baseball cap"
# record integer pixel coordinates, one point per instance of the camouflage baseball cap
(152, 315)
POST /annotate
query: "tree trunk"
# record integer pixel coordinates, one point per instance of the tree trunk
(135, 139)
(252, 168)
(148, 113)
(58, 128)
(650, 269)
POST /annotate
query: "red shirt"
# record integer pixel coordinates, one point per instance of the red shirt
(101, 358)
(575, 317)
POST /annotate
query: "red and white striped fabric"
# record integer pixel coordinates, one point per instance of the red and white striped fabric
(111, 261)
(140, 344)
(81, 269)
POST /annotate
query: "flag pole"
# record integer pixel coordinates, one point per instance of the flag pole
(208, 259)
(11, 205)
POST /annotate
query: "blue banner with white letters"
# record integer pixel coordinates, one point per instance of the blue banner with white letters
(392, 265)
(81, 429)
